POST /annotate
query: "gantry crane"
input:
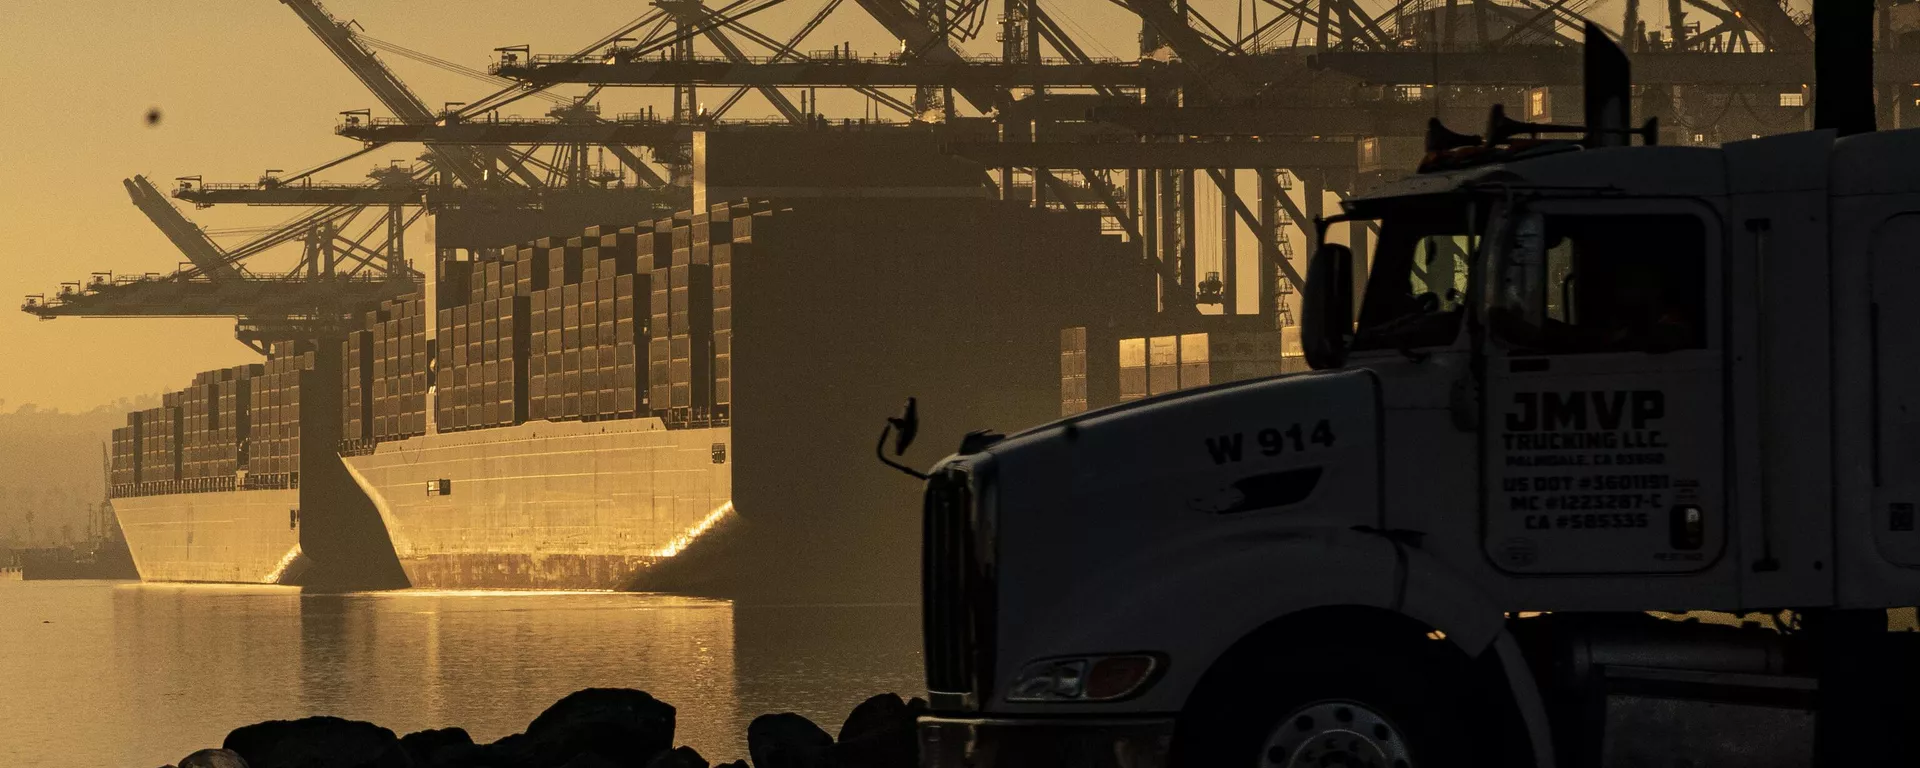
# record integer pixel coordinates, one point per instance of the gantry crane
(1202, 100)
(339, 272)
(473, 166)
(487, 178)
(1198, 100)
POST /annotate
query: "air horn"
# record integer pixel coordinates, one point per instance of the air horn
(1501, 128)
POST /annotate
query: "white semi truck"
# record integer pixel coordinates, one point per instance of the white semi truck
(1617, 463)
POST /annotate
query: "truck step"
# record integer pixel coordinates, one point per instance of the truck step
(1662, 718)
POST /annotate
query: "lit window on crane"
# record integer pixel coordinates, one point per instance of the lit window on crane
(1793, 99)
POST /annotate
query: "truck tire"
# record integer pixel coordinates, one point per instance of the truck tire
(1399, 705)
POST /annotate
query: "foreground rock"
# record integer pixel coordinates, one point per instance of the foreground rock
(678, 757)
(877, 734)
(880, 733)
(786, 740)
(592, 728)
(623, 726)
(214, 758)
(424, 747)
(317, 742)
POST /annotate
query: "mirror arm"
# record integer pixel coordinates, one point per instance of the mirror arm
(880, 450)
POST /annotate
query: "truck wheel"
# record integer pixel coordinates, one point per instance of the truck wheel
(1346, 733)
(1346, 705)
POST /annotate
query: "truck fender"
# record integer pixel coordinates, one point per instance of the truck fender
(1526, 697)
(1427, 590)
(1430, 592)
(1196, 608)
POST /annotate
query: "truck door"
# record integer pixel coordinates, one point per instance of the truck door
(1602, 448)
(1896, 389)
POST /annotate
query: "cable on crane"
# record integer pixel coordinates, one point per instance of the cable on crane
(449, 66)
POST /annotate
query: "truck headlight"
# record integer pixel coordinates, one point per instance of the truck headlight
(1083, 678)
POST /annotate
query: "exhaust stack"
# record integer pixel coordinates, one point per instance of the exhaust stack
(1843, 66)
(1609, 91)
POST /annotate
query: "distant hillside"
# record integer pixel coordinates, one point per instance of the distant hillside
(50, 465)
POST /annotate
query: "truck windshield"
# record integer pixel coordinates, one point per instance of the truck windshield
(1417, 288)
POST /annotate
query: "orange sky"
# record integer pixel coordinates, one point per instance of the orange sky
(242, 87)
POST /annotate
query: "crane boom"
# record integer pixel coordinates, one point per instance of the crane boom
(900, 21)
(469, 165)
(1219, 81)
(187, 236)
(695, 11)
(1772, 23)
(399, 99)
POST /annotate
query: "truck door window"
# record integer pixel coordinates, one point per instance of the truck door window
(1623, 283)
(1418, 286)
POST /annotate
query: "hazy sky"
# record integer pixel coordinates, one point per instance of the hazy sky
(242, 87)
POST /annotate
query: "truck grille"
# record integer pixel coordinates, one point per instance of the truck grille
(952, 585)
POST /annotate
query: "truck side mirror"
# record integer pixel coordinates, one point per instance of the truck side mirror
(1326, 321)
(905, 426)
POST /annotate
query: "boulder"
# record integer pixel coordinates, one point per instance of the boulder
(514, 751)
(882, 714)
(214, 758)
(786, 740)
(464, 756)
(592, 760)
(625, 726)
(678, 757)
(423, 746)
(317, 742)
(880, 733)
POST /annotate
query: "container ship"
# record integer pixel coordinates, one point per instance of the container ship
(578, 428)
(684, 403)
(601, 403)
(206, 485)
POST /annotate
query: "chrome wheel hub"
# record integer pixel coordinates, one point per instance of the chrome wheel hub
(1335, 733)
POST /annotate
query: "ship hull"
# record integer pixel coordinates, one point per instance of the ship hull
(547, 505)
(244, 537)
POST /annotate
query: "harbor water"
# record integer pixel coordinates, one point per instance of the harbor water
(140, 675)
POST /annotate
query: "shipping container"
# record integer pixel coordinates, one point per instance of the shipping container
(1133, 369)
(1073, 371)
(1163, 364)
(1194, 368)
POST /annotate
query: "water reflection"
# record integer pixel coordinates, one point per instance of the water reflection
(138, 674)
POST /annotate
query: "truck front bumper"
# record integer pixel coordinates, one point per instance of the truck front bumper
(1049, 742)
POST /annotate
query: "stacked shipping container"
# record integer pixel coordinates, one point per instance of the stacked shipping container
(124, 464)
(1104, 367)
(384, 375)
(731, 242)
(682, 304)
(273, 443)
(483, 326)
(160, 441)
(196, 442)
(555, 381)
(356, 392)
(585, 338)
(215, 432)
(616, 323)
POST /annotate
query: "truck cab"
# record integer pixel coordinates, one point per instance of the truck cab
(1613, 461)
